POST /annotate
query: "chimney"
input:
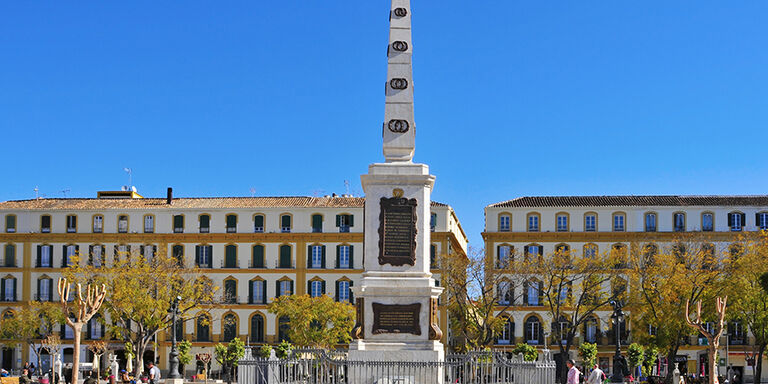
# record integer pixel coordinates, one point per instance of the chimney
(169, 199)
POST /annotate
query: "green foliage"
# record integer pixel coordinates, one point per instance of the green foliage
(588, 354)
(129, 351)
(283, 349)
(650, 357)
(231, 353)
(764, 282)
(529, 352)
(184, 356)
(32, 325)
(318, 322)
(635, 355)
(265, 351)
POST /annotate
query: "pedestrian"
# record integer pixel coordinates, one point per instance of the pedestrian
(24, 378)
(154, 373)
(31, 369)
(89, 379)
(597, 376)
(68, 374)
(4, 373)
(573, 372)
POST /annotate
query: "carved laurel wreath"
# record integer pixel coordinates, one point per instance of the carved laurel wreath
(398, 126)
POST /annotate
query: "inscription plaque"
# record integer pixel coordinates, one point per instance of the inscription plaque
(396, 318)
(397, 231)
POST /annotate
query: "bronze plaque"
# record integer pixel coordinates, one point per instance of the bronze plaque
(397, 231)
(396, 318)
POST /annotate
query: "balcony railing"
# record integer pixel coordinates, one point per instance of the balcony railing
(43, 298)
(253, 265)
(258, 229)
(224, 264)
(231, 229)
(231, 300)
(257, 300)
(205, 229)
(278, 264)
(344, 228)
(285, 229)
(9, 298)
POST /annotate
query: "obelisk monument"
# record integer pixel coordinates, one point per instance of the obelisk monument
(397, 300)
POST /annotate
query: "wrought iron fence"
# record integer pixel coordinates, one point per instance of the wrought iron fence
(304, 366)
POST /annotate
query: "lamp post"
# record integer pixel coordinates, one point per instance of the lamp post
(617, 318)
(173, 357)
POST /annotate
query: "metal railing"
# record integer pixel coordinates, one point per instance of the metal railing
(323, 367)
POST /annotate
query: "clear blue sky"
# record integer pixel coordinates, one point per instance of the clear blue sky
(512, 98)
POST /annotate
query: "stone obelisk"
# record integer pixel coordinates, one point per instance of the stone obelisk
(397, 299)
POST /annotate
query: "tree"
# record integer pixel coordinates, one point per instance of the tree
(529, 352)
(477, 288)
(184, 356)
(229, 355)
(635, 356)
(749, 296)
(574, 288)
(662, 280)
(318, 322)
(713, 335)
(651, 355)
(32, 325)
(98, 348)
(588, 354)
(141, 292)
(79, 313)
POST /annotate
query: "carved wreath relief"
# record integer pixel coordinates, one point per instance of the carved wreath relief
(401, 12)
(398, 126)
(398, 83)
(400, 46)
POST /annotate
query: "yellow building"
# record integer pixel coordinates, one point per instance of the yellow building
(252, 248)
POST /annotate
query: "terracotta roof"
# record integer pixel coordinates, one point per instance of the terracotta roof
(631, 201)
(189, 203)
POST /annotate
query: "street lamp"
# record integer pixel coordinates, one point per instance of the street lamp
(617, 318)
(173, 357)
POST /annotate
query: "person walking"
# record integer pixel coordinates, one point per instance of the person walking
(573, 372)
(154, 373)
(596, 376)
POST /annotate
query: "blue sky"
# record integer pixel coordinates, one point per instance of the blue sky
(512, 98)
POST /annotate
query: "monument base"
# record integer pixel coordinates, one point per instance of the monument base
(395, 362)
(174, 381)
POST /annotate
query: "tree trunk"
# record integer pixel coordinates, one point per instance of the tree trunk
(759, 364)
(76, 353)
(141, 346)
(712, 359)
(670, 364)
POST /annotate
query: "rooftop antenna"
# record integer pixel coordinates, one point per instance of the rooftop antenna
(130, 177)
(346, 185)
(64, 192)
(317, 192)
(37, 193)
(253, 192)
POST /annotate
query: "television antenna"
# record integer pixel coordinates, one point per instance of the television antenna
(253, 192)
(346, 186)
(64, 192)
(130, 176)
(37, 192)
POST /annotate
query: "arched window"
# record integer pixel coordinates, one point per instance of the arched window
(503, 255)
(590, 222)
(149, 223)
(231, 220)
(761, 220)
(591, 330)
(562, 222)
(95, 329)
(560, 329)
(533, 334)
(650, 222)
(45, 256)
(229, 327)
(178, 223)
(44, 288)
(45, 224)
(432, 256)
(707, 221)
(257, 328)
(507, 335)
(257, 256)
(531, 251)
(205, 223)
(96, 255)
(203, 328)
(8, 289)
(285, 223)
(590, 250)
(122, 223)
(230, 291)
(619, 222)
(258, 223)
(178, 253)
(534, 222)
(650, 251)
(230, 256)
(204, 256)
(71, 223)
(343, 291)
(316, 287)
(316, 256)
(678, 220)
(98, 223)
(282, 329)
(10, 223)
(504, 222)
(505, 292)
(257, 293)
(532, 293)
(620, 256)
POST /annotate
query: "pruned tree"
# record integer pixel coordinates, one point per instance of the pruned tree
(98, 348)
(713, 335)
(142, 287)
(79, 312)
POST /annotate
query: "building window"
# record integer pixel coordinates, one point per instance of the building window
(504, 223)
(258, 224)
(178, 223)
(316, 256)
(203, 328)
(95, 329)
(44, 286)
(8, 288)
(317, 223)
(619, 253)
(507, 333)
(149, 224)
(532, 294)
(679, 222)
(230, 292)
(10, 256)
(258, 292)
(205, 223)
(257, 256)
(343, 292)
(504, 293)
(590, 330)
(122, 224)
(707, 222)
(344, 257)
(432, 256)
(71, 223)
(257, 328)
(96, 256)
(285, 223)
(283, 326)
(736, 221)
(285, 257)
(45, 224)
(344, 222)
(284, 288)
(532, 331)
(316, 288)
(562, 222)
(122, 250)
(231, 223)
(432, 221)
(650, 222)
(533, 222)
(229, 328)
(178, 253)
(204, 256)
(618, 222)
(533, 250)
(44, 256)
(149, 251)
(230, 256)
(590, 251)
(10, 223)
(98, 224)
(761, 220)
(503, 256)
(68, 253)
(590, 222)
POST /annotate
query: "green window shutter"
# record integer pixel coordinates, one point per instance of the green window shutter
(10, 222)
(258, 256)
(322, 284)
(337, 291)
(338, 256)
(38, 289)
(309, 256)
(231, 256)
(730, 220)
(525, 293)
(351, 295)
(231, 221)
(322, 263)
(351, 257)
(743, 219)
(338, 220)
(198, 250)
(291, 287)
(205, 221)
(317, 222)
(39, 254)
(264, 289)
(432, 255)
(309, 287)
(285, 221)
(258, 221)
(277, 288)
(351, 220)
